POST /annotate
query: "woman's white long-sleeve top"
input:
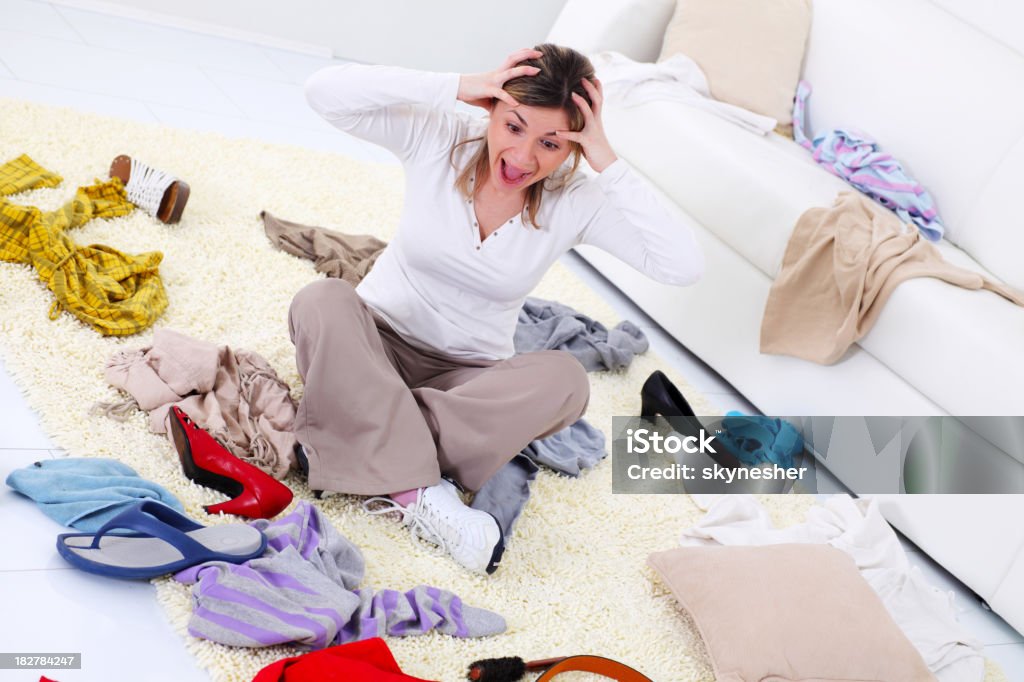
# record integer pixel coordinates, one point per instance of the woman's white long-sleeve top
(437, 284)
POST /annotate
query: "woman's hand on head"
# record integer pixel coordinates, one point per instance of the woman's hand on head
(480, 89)
(596, 148)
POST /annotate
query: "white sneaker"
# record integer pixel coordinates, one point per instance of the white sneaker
(470, 536)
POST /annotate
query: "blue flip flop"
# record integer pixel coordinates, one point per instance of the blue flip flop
(159, 541)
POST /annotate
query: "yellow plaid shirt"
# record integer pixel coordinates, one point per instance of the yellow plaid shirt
(114, 293)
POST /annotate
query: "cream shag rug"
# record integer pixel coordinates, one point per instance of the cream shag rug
(574, 578)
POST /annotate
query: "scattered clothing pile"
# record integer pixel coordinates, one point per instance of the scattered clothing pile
(293, 580)
(112, 292)
(543, 325)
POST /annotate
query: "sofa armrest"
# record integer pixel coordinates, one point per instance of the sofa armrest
(635, 28)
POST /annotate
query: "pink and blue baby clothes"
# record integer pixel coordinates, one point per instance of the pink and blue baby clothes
(855, 158)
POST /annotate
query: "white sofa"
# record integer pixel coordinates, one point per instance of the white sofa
(940, 85)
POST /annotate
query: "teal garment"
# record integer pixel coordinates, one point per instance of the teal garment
(756, 439)
(85, 493)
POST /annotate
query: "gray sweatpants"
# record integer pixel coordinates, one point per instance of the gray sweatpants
(379, 415)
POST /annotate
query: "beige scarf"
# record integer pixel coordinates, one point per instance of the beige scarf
(235, 395)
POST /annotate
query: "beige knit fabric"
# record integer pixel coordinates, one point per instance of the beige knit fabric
(345, 256)
(234, 394)
(840, 267)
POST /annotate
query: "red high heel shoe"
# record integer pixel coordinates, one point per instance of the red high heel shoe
(254, 493)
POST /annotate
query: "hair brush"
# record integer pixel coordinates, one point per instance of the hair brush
(511, 669)
(508, 669)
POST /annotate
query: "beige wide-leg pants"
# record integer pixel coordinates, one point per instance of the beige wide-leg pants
(379, 415)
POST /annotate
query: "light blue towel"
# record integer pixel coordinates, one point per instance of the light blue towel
(85, 493)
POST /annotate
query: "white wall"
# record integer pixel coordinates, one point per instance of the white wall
(440, 35)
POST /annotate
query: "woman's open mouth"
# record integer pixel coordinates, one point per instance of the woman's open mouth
(512, 176)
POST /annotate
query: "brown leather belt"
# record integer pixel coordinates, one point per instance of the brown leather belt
(594, 664)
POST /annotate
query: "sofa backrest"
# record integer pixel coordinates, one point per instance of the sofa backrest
(634, 28)
(938, 83)
(940, 86)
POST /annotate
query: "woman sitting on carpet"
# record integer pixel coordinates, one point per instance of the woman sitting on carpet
(412, 375)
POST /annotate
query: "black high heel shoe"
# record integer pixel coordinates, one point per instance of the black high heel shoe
(660, 396)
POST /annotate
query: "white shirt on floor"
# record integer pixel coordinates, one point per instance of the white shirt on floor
(437, 284)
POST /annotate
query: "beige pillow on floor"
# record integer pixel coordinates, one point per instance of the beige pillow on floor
(750, 50)
(782, 613)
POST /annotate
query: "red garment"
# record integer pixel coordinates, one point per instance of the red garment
(367, 661)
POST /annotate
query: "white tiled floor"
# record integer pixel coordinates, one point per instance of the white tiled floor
(114, 66)
(116, 625)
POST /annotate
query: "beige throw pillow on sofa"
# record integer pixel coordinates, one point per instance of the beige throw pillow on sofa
(782, 613)
(750, 50)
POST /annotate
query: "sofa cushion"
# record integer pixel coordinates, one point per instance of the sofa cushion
(954, 345)
(994, 233)
(753, 607)
(950, 115)
(747, 189)
(750, 50)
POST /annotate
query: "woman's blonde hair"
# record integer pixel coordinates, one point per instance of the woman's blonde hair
(561, 71)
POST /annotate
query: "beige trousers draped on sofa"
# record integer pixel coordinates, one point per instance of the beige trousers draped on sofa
(379, 415)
